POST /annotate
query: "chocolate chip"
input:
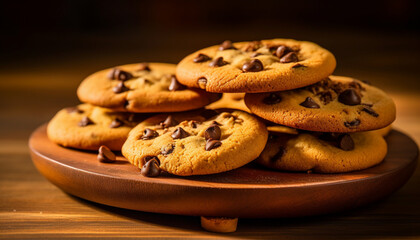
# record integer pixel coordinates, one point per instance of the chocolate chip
(352, 124)
(151, 168)
(281, 51)
(169, 122)
(148, 158)
(279, 154)
(168, 149)
(74, 110)
(179, 133)
(201, 58)
(370, 111)
(298, 65)
(175, 85)
(209, 113)
(271, 99)
(194, 124)
(213, 132)
(218, 62)
(254, 65)
(252, 46)
(116, 123)
(120, 87)
(345, 142)
(118, 74)
(144, 67)
(212, 144)
(226, 45)
(105, 155)
(84, 122)
(309, 103)
(349, 97)
(289, 57)
(202, 82)
(149, 134)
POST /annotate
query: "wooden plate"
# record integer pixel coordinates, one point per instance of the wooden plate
(249, 191)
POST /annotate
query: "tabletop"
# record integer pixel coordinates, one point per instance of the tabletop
(32, 91)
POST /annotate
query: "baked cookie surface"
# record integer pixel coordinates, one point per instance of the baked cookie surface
(196, 143)
(335, 104)
(230, 100)
(142, 88)
(323, 152)
(88, 127)
(258, 66)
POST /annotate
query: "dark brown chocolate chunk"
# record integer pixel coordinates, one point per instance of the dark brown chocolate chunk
(298, 65)
(151, 168)
(279, 154)
(119, 74)
(289, 57)
(352, 124)
(202, 83)
(120, 87)
(169, 122)
(105, 155)
(84, 122)
(74, 110)
(175, 85)
(213, 132)
(179, 133)
(194, 123)
(149, 134)
(212, 144)
(281, 51)
(218, 62)
(370, 111)
(201, 58)
(252, 46)
(148, 158)
(116, 123)
(144, 67)
(345, 142)
(226, 45)
(209, 113)
(255, 65)
(309, 103)
(349, 97)
(168, 149)
(272, 99)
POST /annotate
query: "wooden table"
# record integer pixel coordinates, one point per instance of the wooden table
(31, 207)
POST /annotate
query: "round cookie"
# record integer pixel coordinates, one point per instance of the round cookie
(335, 104)
(196, 143)
(142, 88)
(230, 100)
(88, 127)
(258, 66)
(323, 153)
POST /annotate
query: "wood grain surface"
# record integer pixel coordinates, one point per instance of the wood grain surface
(32, 90)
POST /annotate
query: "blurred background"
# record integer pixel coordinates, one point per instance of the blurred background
(48, 47)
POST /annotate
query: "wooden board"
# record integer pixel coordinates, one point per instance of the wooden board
(250, 191)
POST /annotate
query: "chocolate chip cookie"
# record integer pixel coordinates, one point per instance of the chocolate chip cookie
(258, 66)
(142, 88)
(196, 143)
(230, 100)
(88, 127)
(335, 104)
(323, 152)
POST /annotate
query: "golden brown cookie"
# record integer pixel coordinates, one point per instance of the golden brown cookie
(336, 104)
(230, 100)
(323, 152)
(88, 127)
(258, 66)
(142, 88)
(196, 143)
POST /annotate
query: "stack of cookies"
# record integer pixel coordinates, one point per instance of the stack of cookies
(281, 107)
